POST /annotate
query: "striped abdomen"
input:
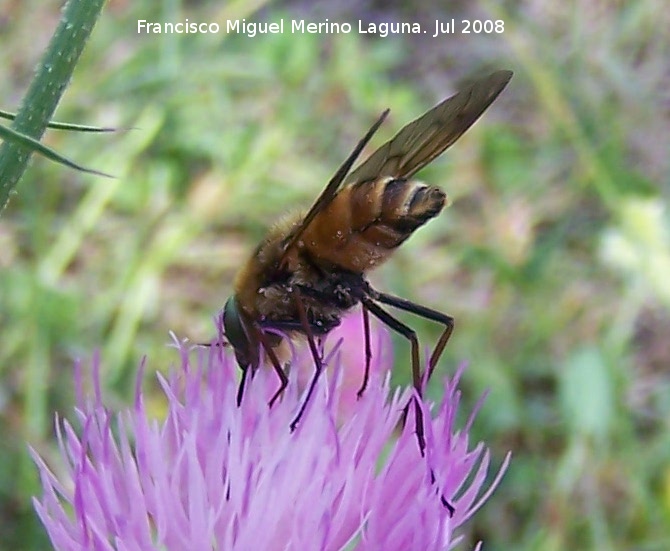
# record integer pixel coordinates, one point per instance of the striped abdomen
(365, 222)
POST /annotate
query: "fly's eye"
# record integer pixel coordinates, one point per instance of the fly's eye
(233, 326)
(236, 333)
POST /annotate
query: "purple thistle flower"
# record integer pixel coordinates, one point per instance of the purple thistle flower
(214, 476)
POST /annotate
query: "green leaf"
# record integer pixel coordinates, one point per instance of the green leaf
(63, 125)
(35, 146)
(51, 79)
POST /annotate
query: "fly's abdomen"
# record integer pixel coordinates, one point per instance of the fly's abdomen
(366, 222)
(404, 206)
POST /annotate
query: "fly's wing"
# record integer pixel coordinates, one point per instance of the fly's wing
(331, 189)
(418, 143)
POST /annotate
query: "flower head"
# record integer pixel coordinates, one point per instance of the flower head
(212, 475)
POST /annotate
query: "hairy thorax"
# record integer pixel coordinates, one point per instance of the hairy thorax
(264, 286)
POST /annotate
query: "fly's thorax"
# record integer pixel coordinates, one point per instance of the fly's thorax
(265, 266)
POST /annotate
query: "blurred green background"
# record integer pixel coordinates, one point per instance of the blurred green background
(554, 257)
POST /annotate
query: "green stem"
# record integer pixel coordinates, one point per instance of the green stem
(52, 76)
